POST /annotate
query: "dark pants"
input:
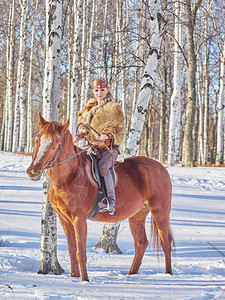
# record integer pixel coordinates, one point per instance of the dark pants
(107, 160)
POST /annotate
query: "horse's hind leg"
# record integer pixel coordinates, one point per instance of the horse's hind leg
(137, 227)
(161, 227)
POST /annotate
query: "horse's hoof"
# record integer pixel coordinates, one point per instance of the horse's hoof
(75, 275)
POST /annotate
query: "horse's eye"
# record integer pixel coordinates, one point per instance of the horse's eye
(53, 148)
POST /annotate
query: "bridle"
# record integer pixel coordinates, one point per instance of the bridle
(52, 165)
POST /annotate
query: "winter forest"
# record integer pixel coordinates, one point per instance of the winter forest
(184, 115)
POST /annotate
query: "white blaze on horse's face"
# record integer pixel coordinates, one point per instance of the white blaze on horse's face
(44, 142)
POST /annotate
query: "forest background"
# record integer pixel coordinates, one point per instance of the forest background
(111, 39)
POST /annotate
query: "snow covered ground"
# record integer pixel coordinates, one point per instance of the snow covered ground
(198, 224)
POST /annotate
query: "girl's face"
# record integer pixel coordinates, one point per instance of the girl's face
(100, 93)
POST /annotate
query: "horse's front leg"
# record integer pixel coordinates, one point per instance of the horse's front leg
(71, 241)
(80, 227)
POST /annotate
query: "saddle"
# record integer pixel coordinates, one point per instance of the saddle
(97, 178)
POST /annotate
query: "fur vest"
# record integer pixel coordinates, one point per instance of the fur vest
(106, 117)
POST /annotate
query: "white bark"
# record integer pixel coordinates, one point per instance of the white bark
(206, 98)
(49, 262)
(221, 104)
(175, 102)
(53, 60)
(74, 83)
(190, 17)
(117, 50)
(201, 114)
(109, 237)
(69, 75)
(203, 95)
(148, 79)
(9, 88)
(104, 42)
(89, 53)
(45, 84)
(20, 85)
(83, 53)
(29, 96)
(122, 22)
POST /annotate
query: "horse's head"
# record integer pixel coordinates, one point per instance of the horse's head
(47, 146)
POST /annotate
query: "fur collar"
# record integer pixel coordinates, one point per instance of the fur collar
(95, 107)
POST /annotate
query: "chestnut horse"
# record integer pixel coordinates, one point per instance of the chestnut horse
(143, 185)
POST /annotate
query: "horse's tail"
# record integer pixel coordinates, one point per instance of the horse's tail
(155, 238)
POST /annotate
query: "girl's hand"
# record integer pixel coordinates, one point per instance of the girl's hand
(103, 137)
(75, 139)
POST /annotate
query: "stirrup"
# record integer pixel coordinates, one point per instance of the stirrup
(103, 207)
(111, 210)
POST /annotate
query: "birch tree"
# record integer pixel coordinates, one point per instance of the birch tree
(190, 16)
(157, 24)
(20, 85)
(29, 95)
(162, 121)
(9, 87)
(87, 81)
(221, 105)
(203, 92)
(110, 231)
(49, 262)
(175, 102)
(206, 95)
(75, 66)
(22, 100)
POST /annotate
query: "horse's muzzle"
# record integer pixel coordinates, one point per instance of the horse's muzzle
(34, 175)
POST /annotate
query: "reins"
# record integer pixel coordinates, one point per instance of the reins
(50, 166)
(88, 126)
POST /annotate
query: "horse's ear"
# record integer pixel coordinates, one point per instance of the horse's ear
(65, 126)
(42, 121)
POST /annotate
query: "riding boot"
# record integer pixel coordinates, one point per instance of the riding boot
(111, 198)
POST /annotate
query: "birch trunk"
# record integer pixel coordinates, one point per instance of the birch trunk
(104, 42)
(188, 133)
(201, 114)
(53, 59)
(175, 102)
(206, 99)
(9, 95)
(116, 57)
(123, 22)
(20, 85)
(69, 75)
(75, 67)
(163, 107)
(109, 237)
(221, 105)
(22, 101)
(157, 24)
(29, 96)
(87, 81)
(49, 262)
(110, 231)
(83, 72)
